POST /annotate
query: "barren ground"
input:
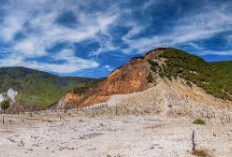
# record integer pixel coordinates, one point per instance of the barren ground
(78, 135)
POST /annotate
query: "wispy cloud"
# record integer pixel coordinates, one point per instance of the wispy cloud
(29, 31)
(198, 27)
(42, 32)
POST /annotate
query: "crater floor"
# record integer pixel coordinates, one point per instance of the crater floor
(84, 135)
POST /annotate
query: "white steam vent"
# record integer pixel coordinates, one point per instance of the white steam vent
(12, 94)
(1, 98)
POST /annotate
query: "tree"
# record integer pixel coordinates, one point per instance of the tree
(5, 105)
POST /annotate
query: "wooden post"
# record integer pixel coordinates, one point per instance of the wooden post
(3, 121)
(116, 107)
(193, 141)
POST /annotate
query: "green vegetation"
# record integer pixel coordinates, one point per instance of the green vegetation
(81, 90)
(150, 78)
(154, 66)
(5, 105)
(223, 75)
(214, 78)
(38, 89)
(199, 122)
(200, 153)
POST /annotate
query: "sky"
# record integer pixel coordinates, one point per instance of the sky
(91, 38)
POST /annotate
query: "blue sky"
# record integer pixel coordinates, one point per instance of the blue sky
(92, 38)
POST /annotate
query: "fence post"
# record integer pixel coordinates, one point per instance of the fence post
(193, 141)
(3, 121)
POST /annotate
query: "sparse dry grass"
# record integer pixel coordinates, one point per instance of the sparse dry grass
(200, 153)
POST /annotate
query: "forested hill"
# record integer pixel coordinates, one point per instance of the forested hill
(36, 88)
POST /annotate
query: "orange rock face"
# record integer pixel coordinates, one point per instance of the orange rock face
(130, 78)
(72, 97)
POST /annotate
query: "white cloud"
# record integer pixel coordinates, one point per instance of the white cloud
(10, 26)
(135, 29)
(70, 63)
(64, 68)
(30, 47)
(199, 27)
(213, 52)
(37, 21)
(108, 67)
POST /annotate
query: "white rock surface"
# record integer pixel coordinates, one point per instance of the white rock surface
(106, 135)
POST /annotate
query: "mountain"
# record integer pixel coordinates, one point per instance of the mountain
(168, 66)
(37, 89)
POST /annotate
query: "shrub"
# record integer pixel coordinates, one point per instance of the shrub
(199, 122)
(5, 105)
(154, 66)
(200, 153)
(150, 78)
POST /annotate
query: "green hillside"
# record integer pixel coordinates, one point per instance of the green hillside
(223, 68)
(36, 88)
(214, 78)
(224, 74)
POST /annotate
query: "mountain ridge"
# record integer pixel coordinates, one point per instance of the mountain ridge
(141, 73)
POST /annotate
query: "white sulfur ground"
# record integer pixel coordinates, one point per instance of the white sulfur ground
(110, 136)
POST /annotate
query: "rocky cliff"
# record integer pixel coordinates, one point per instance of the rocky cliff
(142, 73)
(132, 77)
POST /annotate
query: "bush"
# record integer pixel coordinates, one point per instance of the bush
(200, 153)
(150, 78)
(199, 122)
(154, 66)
